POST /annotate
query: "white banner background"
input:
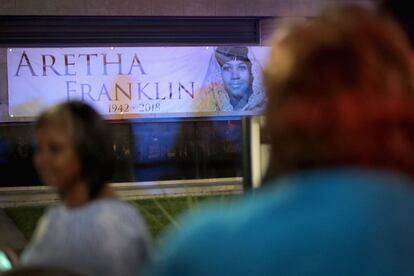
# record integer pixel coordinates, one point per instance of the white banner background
(150, 81)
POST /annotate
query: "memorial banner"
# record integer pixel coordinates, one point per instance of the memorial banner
(147, 81)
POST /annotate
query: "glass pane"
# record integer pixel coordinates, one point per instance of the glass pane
(144, 151)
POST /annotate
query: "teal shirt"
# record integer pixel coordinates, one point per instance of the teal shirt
(329, 222)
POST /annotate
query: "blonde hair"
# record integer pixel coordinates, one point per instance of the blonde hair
(91, 140)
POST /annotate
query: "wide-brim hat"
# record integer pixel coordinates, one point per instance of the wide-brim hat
(225, 54)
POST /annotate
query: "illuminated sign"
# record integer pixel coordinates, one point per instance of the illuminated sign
(144, 81)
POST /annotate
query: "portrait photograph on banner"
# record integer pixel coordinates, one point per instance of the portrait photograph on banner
(142, 81)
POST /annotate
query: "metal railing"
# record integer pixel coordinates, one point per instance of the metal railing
(42, 195)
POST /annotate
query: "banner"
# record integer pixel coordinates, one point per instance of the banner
(148, 81)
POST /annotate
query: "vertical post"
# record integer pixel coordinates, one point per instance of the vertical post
(256, 152)
(197, 149)
(247, 165)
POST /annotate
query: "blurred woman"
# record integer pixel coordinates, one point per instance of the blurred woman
(92, 232)
(339, 198)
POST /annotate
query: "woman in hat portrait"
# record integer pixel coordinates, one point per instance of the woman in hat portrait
(233, 81)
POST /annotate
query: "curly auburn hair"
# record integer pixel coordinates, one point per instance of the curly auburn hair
(401, 11)
(340, 93)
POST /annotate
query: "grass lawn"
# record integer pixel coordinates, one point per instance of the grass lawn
(159, 213)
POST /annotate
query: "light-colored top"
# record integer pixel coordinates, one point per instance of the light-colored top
(329, 222)
(105, 237)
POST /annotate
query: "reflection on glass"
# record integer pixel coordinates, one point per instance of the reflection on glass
(145, 151)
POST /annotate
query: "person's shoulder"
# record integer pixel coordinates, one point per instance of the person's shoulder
(120, 224)
(116, 212)
(52, 213)
(354, 192)
(215, 219)
(115, 222)
(209, 236)
(114, 205)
